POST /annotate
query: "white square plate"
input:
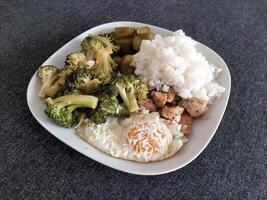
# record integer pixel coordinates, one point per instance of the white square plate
(203, 130)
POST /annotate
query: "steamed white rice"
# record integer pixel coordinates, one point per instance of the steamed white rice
(174, 61)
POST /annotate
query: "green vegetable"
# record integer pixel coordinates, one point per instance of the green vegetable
(147, 36)
(130, 88)
(76, 59)
(143, 30)
(122, 32)
(110, 36)
(125, 45)
(80, 116)
(137, 41)
(53, 79)
(125, 67)
(81, 80)
(100, 48)
(108, 105)
(93, 43)
(61, 109)
(127, 93)
(68, 91)
(59, 84)
(104, 66)
(48, 76)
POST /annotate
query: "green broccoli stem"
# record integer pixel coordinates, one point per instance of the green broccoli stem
(129, 98)
(87, 101)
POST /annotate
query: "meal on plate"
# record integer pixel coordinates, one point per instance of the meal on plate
(131, 93)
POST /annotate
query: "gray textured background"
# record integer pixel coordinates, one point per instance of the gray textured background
(35, 165)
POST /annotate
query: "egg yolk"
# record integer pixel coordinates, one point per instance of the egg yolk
(144, 138)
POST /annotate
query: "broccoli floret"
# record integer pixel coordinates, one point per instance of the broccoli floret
(110, 36)
(59, 84)
(61, 109)
(107, 39)
(127, 93)
(81, 80)
(68, 91)
(76, 59)
(108, 105)
(115, 110)
(77, 78)
(103, 66)
(64, 73)
(47, 73)
(53, 79)
(90, 86)
(130, 89)
(100, 49)
(93, 42)
(141, 89)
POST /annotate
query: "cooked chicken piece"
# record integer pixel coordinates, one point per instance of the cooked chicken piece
(195, 107)
(160, 98)
(171, 112)
(148, 104)
(186, 122)
(171, 95)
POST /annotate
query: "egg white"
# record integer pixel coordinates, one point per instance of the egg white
(113, 137)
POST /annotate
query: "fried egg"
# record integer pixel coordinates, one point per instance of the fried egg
(143, 137)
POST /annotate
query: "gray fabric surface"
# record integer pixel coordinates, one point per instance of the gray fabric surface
(35, 165)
